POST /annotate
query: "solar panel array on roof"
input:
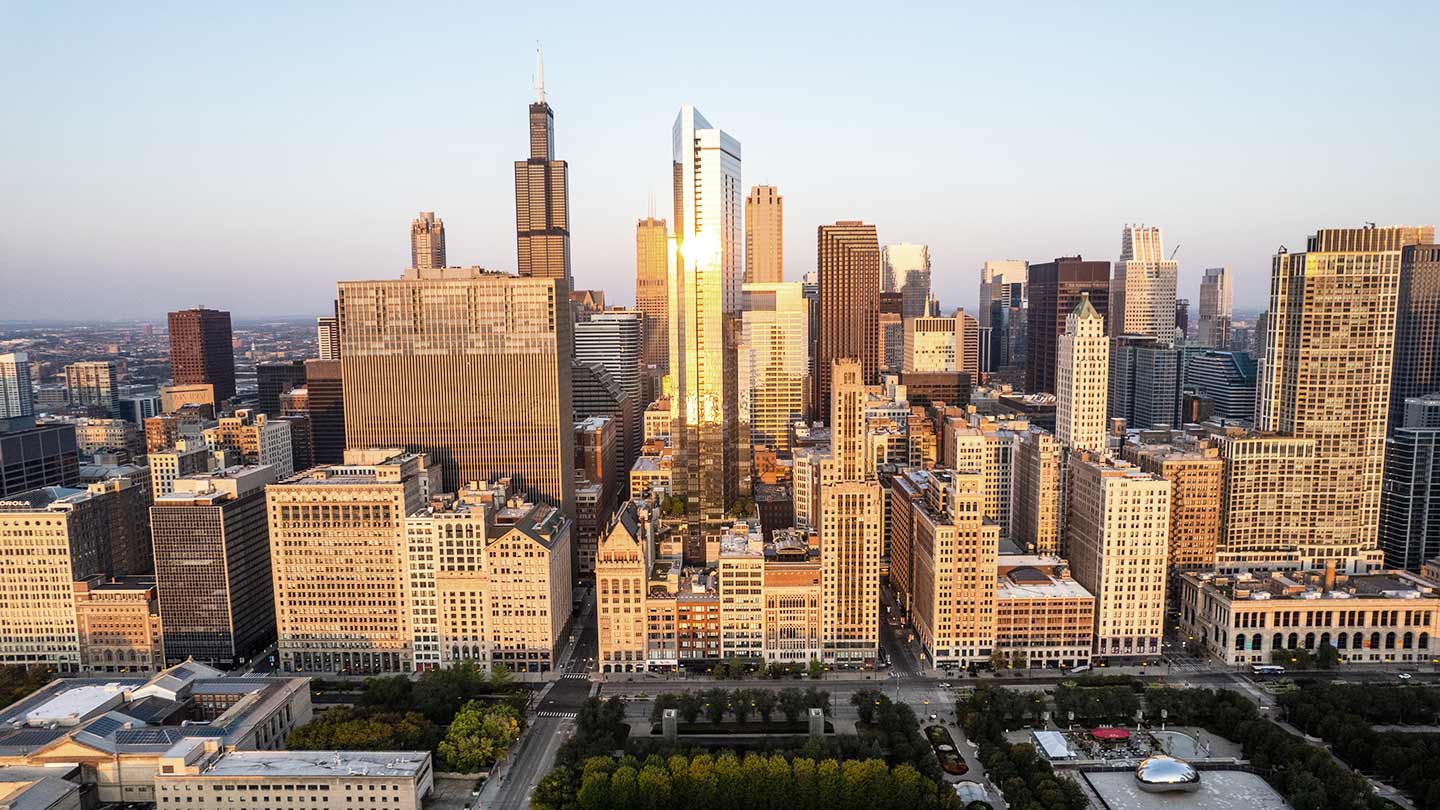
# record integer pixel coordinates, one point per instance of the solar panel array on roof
(32, 737)
(183, 671)
(102, 726)
(147, 736)
(204, 731)
(1028, 575)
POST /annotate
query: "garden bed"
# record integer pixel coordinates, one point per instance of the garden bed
(945, 751)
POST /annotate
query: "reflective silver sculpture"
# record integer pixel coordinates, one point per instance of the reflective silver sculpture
(1162, 774)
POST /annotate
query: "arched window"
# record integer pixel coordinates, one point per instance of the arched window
(1408, 641)
(1277, 642)
(1309, 641)
(1239, 641)
(1359, 642)
(1390, 641)
(1342, 641)
(1374, 641)
(1425, 640)
(1324, 639)
(1292, 642)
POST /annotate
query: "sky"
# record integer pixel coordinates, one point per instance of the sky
(247, 156)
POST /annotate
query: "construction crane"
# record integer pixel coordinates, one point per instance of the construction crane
(1173, 252)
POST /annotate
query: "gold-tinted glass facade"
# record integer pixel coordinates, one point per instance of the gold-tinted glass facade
(652, 270)
(764, 235)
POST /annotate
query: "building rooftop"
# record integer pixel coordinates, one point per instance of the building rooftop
(39, 500)
(1314, 584)
(285, 764)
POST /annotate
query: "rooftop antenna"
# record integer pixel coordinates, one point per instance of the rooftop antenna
(650, 212)
(539, 75)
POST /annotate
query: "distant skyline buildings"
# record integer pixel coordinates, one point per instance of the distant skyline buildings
(542, 196)
(1217, 303)
(1142, 291)
(427, 241)
(764, 235)
(905, 269)
(1055, 290)
(849, 277)
(652, 290)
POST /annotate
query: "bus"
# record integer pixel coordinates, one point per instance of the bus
(1266, 669)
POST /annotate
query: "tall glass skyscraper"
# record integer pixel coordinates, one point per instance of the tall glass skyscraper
(705, 276)
(906, 270)
(542, 196)
(774, 360)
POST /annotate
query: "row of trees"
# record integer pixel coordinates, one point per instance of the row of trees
(1324, 657)
(344, 728)
(754, 782)
(738, 669)
(439, 693)
(896, 730)
(741, 704)
(1027, 780)
(1380, 706)
(1095, 704)
(16, 682)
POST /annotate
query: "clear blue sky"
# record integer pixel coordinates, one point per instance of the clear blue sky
(247, 156)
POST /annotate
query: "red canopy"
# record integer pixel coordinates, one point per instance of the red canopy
(1110, 734)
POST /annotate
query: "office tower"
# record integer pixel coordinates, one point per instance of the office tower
(740, 575)
(1142, 293)
(327, 337)
(92, 384)
(1004, 292)
(201, 352)
(930, 342)
(212, 566)
(1118, 538)
(542, 196)
(302, 437)
(892, 342)
(774, 365)
(186, 459)
(139, 408)
(1036, 515)
(652, 297)
(764, 235)
(1266, 504)
(1410, 503)
(849, 277)
(851, 526)
(998, 285)
(622, 575)
(427, 242)
(1082, 370)
(126, 499)
(598, 395)
(274, 379)
(906, 271)
(1417, 328)
(1226, 380)
(1217, 299)
(1326, 372)
(49, 538)
(953, 557)
(117, 623)
(325, 404)
(600, 480)
(1144, 386)
(33, 456)
(1043, 617)
(471, 366)
(16, 393)
(613, 339)
(968, 347)
(907, 488)
(704, 307)
(1197, 478)
(255, 440)
(340, 595)
(1055, 290)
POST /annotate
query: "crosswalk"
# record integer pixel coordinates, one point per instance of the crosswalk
(563, 715)
(575, 676)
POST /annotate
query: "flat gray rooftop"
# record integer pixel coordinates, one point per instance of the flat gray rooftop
(1219, 790)
(318, 763)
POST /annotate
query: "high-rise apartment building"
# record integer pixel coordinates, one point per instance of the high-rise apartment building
(906, 271)
(17, 396)
(274, 379)
(1416, 370)
(1118, 540)
(92, 384)
(953, 556)
(1226, 380)
(50, 538)
(1143, 387)
(652, 297)
(1410, 502)
(1082, 372)
(1266, 510)
(704, 316)
(1217, 299)
(201, 352)
(849, 276)
(471, 366)
(764, 236)
(1197, 475)
(327, 337)
(212, 566)
(1036, 517)
(427, 242)
(341, 596)
(1327, 369)
(774, 367)
(542, 197)
(1142, 293)
(255, 439)
(1055, 290)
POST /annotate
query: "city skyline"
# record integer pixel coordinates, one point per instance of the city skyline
(610, 141)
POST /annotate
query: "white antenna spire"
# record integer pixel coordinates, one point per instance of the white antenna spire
(539, 76)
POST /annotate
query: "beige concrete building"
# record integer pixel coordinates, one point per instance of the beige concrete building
(176, 397)
(1258, 618)
(1142, 292)
(740, 572)
(1037, 516)
(255, 438)
(622, 574)
(1043, 617)
(1197, 482)
(652, 474)
(338, 556)
(1082, 379)
(92, 435)
(1326, 374)
(92, 383)
(1118, 541)
(764, 235)
(953, 556)
(528, 584)
(793, 593)
(930, 342)
(117, 622)
(50, 538)
(658, 420)
(774, 368)
(470, 366)
(1265, 504)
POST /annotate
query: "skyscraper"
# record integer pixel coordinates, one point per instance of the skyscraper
(703, 312)
(907, 272)
(1082, 380)
(1055, 289)
(92, 384)
(17, 396)
(1142, 293)
(613, 339)
(1216, 302)
(1410, 505)
(1326, 373)
(1004, 291)
(1144, 382)
(327, 337)
(469, 365)
(542, 196)
(652, 297)
(325, 405)
(427, 241)
(201, 352)
(849, 269)
(774, 365)
(1417, 328)
(274, 379)
(764, 235)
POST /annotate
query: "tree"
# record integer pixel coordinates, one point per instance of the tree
(1019, 660)
(669, 700)
(500, 678)
(764, 700)
(1327, 657)
(478, 736)
(741, 704)
(387, 694)
(792, 704)
(817, 670)
(999, 660)
(717, 701)
(689, 707)
(865, 702)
